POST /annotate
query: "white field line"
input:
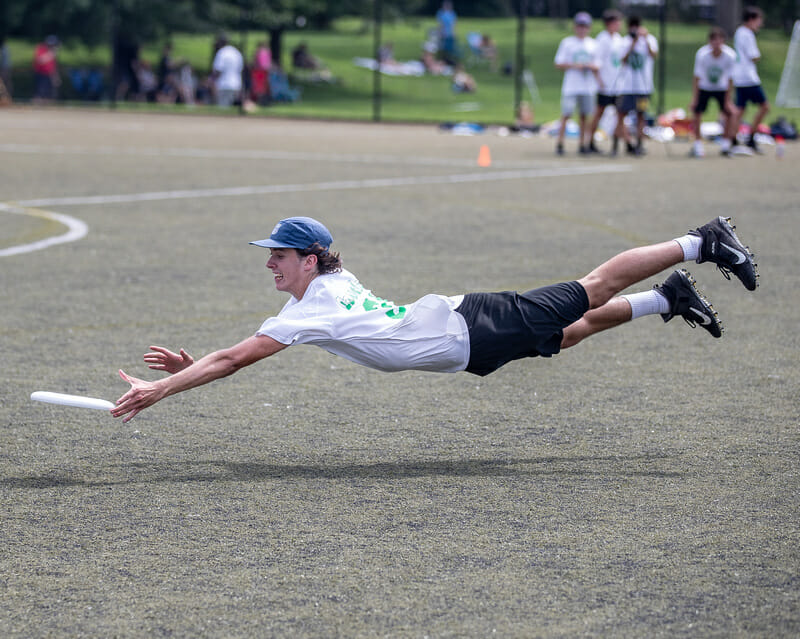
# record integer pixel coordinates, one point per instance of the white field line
(76, 229)
(488, 176)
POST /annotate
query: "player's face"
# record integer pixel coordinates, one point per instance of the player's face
(716, 44)
(291, 271)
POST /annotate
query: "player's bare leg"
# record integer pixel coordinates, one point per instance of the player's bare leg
(628, 268)
(617, 311)
(715, 242)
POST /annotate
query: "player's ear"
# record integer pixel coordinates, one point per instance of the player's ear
(311, 261)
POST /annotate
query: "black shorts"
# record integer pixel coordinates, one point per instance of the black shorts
(604, 100)
(507, 326)
(638, 102)
(703, 98)
(754, 94)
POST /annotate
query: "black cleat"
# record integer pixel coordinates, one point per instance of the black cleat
(685, 300)
(754, 145)
(723, 248)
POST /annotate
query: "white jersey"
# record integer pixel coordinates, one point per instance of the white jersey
(745, 73)
(637, 73)
(609, 57)
(574, 50)
(339, 315)
(713, 73)
(228, 62)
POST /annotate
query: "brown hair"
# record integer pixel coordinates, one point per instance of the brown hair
(327, 262)
(717, 32)
(750, 13)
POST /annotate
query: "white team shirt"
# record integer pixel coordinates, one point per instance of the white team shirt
(714, 73)
(745, 73)
(609, 57)
(339, 315)
(636, 76)
(228, 62)
(574, 50)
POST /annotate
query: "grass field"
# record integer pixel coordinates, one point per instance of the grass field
(642, 484)
(430, 99)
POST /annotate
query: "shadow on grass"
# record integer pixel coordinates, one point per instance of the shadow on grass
(227, 471)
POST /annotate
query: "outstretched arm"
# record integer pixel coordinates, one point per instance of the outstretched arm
(213, 366)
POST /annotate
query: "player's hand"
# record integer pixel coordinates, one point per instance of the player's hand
(162, 359)
(141, 395)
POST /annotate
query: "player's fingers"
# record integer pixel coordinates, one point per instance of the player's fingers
(164, 351)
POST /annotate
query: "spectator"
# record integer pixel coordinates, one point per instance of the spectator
(6, 88)
(187, 84)
(636, 82)
(433, 65)
(259, 74)
(302, 58)
(147, 81)
(576, 58)
(745, 73)
(609, 59)
(386, 54)
(713, 66)
(45, 70)
(167, 82)
(126, 56)
(463, 82)
(488, 49)
(227, 73)
(446, 18)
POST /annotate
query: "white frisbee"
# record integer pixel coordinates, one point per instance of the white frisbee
(71, 400)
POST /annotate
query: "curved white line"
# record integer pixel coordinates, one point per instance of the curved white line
(77, 229)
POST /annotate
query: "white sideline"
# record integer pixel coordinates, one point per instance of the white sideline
(326, 186)
(77, 229)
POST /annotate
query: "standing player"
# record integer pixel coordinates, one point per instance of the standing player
(576, 58)
(636, 84)
(476, 332)
(745, 73)
(713, 66)
(609, 59)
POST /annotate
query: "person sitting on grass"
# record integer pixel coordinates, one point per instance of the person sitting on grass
(476, 332)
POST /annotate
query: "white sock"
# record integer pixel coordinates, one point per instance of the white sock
(691, 246)
(647, 303)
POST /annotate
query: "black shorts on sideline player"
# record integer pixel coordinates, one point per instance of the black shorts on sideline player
(704, 97)
(508, 325)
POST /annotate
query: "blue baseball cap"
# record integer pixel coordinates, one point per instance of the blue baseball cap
(297, 233)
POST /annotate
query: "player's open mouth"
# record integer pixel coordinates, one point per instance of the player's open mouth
(278, 276)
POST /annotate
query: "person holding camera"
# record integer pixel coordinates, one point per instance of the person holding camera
(636, 79)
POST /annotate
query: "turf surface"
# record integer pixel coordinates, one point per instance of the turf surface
(643, 483)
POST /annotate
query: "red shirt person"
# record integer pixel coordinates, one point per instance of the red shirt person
(45, 70)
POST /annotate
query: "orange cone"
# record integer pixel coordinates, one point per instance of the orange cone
(484, 157)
